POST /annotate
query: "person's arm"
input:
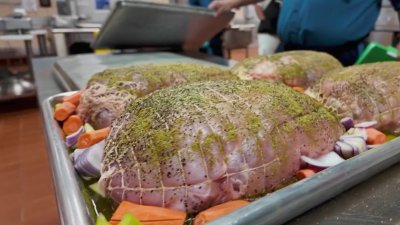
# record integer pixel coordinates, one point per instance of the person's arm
(221, 6)
(259, 12)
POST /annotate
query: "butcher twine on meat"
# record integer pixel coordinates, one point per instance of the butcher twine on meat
(294, 68)
(109, 91)
(194, 146)
(363, 92)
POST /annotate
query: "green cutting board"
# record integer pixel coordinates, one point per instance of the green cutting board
(376, 52)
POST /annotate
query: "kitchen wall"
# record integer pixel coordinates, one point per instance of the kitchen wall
(7, 6)
(16, 48)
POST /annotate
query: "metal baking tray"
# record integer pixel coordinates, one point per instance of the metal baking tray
(138, 24)
(73, 72)
(275, 208)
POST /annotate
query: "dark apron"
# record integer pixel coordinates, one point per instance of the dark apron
(347, 54)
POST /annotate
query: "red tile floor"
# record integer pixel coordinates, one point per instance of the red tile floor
(26, 191)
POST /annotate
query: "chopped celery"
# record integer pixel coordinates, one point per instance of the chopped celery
(88, 128)
(56, 106)
(96, 189)
(129, 219)
(101, 220)
(390, 137)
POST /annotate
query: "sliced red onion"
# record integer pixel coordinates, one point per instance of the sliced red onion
(356, 142)
(347, 122)
(75, 154)
(72, 139)
(366, 124)
(325, 161)
(88, 162)
(345, 150)
(350, 137)
(358, 132)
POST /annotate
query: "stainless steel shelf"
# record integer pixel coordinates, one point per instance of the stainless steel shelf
(15, 87)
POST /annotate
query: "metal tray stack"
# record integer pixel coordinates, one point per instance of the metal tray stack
(274, 208)
(138, 24)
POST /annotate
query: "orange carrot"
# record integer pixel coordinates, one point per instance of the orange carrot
(74, 98)
(88, 139)
(72, 124)
(375, 137)
(64, 111)
(149, 215)
(304, 173)
(218, 211)
(299, 89)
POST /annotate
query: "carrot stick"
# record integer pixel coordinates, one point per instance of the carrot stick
(88, 139)
(299, 89)
(64, 110)
(72, 124)
(149, 215)
(218, 211)
(375, 137)
(304, 173)
(74, 98)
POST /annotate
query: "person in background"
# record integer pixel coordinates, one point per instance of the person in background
(213, 46)
(267, 11)
(338, 27)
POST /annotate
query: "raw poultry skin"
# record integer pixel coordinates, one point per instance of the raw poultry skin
(294, 68)
(194, 146)
(364, 92)
(109, 91)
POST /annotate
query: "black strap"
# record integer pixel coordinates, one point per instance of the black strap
(271, 14)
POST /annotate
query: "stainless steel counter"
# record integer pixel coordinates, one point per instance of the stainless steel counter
(74, 72)
(375, 201)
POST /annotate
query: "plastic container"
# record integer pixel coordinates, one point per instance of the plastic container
(376, 52)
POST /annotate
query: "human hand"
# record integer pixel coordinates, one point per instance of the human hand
(259, 12)
(221, 6)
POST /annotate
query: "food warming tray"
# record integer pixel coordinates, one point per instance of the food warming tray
(73, 72)
(274, 208)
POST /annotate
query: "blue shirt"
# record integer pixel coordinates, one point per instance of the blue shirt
(202, 3)
(325, 23)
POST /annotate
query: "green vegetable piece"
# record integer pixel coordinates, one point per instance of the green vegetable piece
(390, 137)
(129, 219)
(97, 190)
(101, 220)
(88, 128)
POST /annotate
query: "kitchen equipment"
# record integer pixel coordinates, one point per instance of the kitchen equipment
(274, 208)
(137, 24)
(376, 52)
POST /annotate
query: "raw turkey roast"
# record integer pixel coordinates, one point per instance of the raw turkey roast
(198, 145)
(109, 91)
(294, 68)
(363, 92)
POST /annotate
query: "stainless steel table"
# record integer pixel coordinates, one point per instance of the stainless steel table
(375, 201)
(60, 39)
